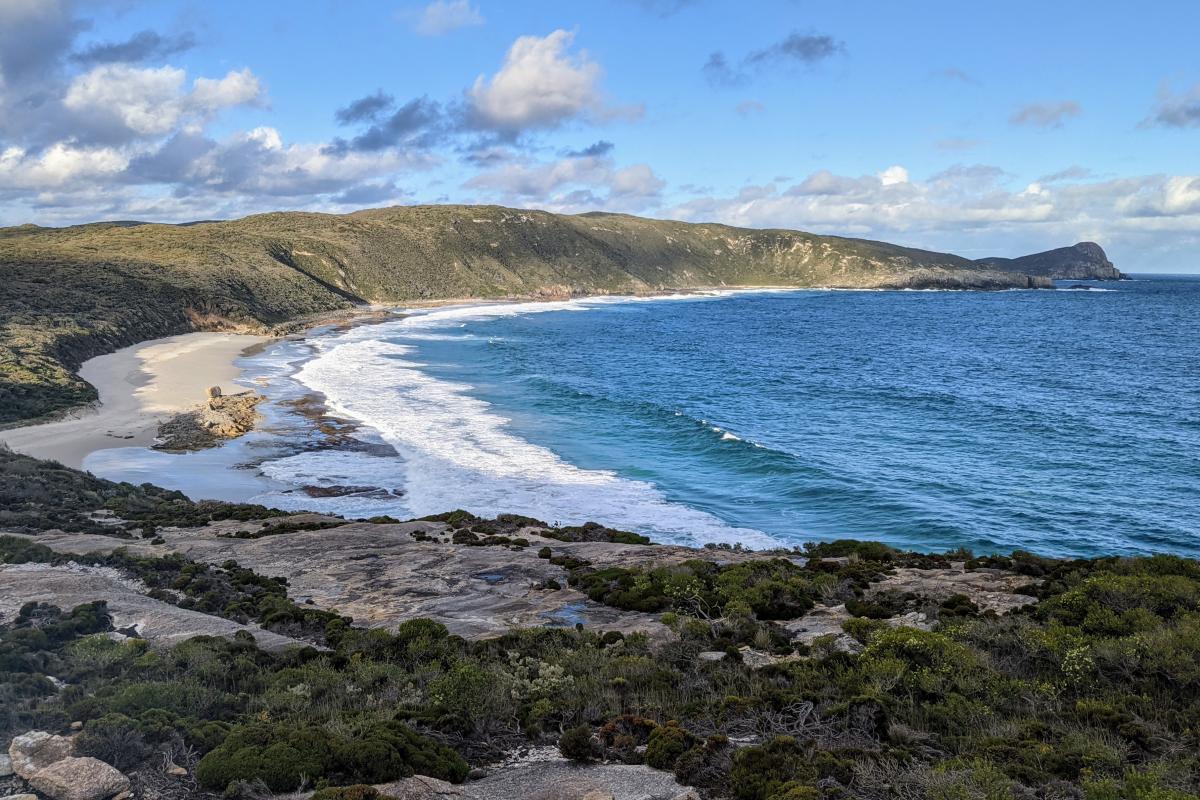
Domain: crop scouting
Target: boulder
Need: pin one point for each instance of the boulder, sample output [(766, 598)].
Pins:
[(79, 779), (34, 750), (5, 766), (20, 797), (214, 392)]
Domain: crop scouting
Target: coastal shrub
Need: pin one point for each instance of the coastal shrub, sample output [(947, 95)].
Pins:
[(359, 791), (281, 756), (594, 532), (844, 548), (576, 744), (771, 770), (706, 766), (666, 744), (15, 550), (115, 739), (958, 605)]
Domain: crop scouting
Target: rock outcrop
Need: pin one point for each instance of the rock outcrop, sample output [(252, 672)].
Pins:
[(384, 574), (32, 751), (160, 623), (221, 418), (1085, 261), (557, 779), (79, 779)]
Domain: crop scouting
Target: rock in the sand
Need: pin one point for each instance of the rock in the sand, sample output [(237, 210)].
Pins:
[(214, 391), (223, 417), (79, 779), (34, 750)]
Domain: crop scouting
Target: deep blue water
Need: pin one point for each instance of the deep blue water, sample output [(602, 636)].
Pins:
[(1062, 422)]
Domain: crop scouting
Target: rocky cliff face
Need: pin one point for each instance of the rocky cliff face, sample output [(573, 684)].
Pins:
[(1085, 261)]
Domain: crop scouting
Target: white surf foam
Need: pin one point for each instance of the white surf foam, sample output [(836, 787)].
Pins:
[(458, 452)]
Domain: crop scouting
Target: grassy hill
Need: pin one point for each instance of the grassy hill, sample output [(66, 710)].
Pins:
[(67, 294)]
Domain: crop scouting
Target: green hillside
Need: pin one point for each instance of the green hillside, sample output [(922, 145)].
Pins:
[(67, 294)]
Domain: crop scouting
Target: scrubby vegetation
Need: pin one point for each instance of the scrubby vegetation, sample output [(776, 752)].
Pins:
[(1094, 693), (39, 495)]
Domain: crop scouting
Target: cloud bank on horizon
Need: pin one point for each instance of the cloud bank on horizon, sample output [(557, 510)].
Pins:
[(853, 118)]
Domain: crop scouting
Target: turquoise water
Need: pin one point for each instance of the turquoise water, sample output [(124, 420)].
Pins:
[(1064, 422)]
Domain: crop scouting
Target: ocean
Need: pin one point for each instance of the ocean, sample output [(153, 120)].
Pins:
[(1062, 422)]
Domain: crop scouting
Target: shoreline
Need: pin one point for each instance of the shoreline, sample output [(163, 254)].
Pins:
[(139, 387)]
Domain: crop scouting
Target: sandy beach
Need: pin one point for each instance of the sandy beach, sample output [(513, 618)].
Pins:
[(139, 386)]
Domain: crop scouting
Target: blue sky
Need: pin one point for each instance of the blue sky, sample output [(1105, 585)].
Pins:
[(980, 128)]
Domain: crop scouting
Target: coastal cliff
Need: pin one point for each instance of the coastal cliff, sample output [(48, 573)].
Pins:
[(69, 294), (1085, 261)]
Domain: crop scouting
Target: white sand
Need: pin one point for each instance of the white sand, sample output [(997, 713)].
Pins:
[(139, 386)]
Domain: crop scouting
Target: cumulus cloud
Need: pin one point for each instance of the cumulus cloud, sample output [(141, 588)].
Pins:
[(541, 85), (972, 209), (1176, 110), (1046, 115), (119, 101), (93, 131), (34, 34), (141, 46), (575, 183), (806, 49), (443, 16)]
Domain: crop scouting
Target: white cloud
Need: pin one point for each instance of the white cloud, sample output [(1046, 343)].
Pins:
[(58, 166), (577, 183), (893, 175), (235, 89), (971, 209), (443, 16), (636, 181), (146, 102), (541, 85)]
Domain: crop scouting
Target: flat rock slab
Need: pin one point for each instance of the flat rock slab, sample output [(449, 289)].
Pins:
[(563, 780), (162, 624), (990, 589), (381, 576)]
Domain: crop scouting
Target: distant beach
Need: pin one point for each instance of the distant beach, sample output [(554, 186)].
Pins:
[(139, 387)]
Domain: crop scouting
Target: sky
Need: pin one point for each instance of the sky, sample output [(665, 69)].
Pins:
[(981, 128)]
